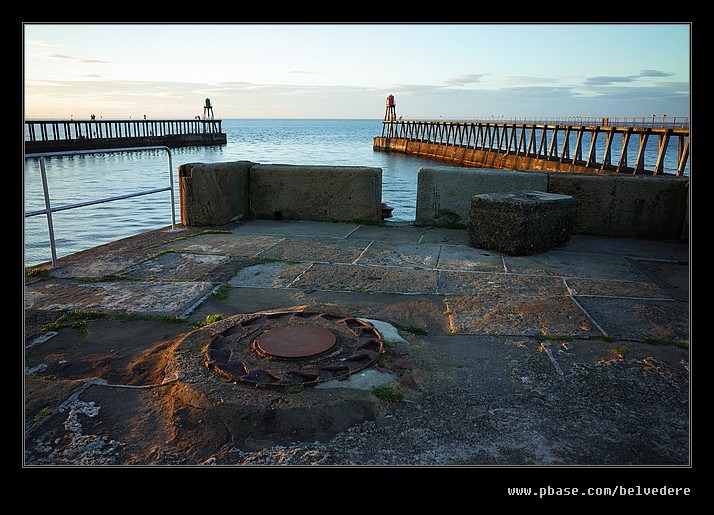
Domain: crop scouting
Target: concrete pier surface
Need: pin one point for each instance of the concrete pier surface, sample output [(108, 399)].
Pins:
[(578, 356)]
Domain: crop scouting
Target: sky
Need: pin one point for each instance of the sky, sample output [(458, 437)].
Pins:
[(347, 70)]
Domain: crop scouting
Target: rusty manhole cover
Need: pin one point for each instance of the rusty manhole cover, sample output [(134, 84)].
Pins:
[(295, 341), (293, 348)]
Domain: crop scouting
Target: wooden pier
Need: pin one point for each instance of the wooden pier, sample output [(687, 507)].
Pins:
[(90, 134), (570, 145)]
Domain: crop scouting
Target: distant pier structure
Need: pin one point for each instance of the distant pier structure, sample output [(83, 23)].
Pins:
[(637, 145), (391, 113), (207, 110), (92, 133)]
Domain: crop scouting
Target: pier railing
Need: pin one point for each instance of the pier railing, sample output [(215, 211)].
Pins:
[(46, 130), (89, 134), (48, 210), (659, 121), (578, 144)]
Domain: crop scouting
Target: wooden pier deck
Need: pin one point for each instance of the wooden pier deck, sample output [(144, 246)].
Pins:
[(90, 134)]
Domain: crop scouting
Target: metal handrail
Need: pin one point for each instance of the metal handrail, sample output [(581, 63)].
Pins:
[(49, 209)]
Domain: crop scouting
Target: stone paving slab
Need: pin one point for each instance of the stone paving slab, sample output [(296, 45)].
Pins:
[(482, 363), (469, 259), (517, 314), (322, 250), (226, 244), (112, 258), (296, 228), (571, 264), (672, 277), (367, 279), (394, 234), (422, 255), (152, 297), (643, 249), (639, 319), (179, 266), (451, 282), (614, 288), (445, 236), (268, 275)]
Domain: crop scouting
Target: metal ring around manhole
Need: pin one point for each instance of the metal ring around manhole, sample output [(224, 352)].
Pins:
[(293, 348)]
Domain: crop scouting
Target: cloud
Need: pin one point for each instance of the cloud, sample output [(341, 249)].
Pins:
[(40, 42), (654, 73), (605, 80), (74, 59), (255, 100), (470, 78)]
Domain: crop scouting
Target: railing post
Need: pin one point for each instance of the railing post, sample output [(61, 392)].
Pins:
[(48, 211), (171, 184)]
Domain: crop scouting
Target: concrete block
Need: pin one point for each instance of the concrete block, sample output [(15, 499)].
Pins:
[(444, 193), (213, 193), (521, 223), (320, 193)]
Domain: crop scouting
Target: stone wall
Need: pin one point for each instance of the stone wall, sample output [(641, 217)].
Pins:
[(296, 192), (636, 206), (220, 193), (444, 193)]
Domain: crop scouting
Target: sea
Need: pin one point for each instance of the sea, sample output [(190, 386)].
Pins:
[(90, 177)]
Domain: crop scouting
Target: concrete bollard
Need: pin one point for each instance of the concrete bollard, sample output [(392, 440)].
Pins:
[(522, 222)]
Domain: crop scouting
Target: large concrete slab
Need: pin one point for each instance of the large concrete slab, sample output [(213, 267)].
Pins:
[(152, 297), (639, 319), (456, 282), (226, 244), (296, 228), (518, 314), (581, 287), (630, 247), (389, 233), (445, 236), (322, 250), (453, 257), (268, 275), (571, 264), (423, 255), (367, 278), (183, 266)]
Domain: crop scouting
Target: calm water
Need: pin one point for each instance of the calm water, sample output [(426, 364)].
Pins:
[(74, 179)]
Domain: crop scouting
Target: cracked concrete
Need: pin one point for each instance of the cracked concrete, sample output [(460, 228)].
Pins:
[(574, 357)]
